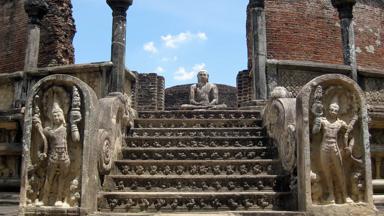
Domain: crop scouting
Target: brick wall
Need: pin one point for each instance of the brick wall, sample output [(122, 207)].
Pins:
[(150, 92), (310, 31), (13, 33), (57, 33), (369, 31), (160, 93), (244, 89)]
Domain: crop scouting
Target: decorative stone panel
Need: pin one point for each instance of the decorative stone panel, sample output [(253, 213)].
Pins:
[(334, 164)]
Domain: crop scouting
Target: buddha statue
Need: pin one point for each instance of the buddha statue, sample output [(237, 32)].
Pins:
[(203, 95)]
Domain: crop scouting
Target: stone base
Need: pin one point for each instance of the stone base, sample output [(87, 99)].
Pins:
[(202, 108), (57, 211), (257, 105), (226, 213), (354, 209)]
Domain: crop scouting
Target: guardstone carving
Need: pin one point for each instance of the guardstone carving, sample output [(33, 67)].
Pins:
[(59, 127), (332, 134), (49, 168)]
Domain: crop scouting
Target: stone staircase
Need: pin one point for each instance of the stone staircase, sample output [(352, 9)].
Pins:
[(197, 161)]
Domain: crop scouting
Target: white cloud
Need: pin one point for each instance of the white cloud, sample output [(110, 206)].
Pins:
[(159, 70), (202, 36), (182, 74), (173, 41), (150, 47), (169, 59)]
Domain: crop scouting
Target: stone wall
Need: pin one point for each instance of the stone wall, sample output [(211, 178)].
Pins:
[(57, 33), (305, 30), (177, 95)]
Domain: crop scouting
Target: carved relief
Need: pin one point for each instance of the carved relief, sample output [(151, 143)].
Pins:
[(294, 80), (336, 141), (333, 148), (115, 118), (374, 91), (55, 147), (279, 119)]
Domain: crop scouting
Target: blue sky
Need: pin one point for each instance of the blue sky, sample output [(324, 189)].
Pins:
[(174, 38)]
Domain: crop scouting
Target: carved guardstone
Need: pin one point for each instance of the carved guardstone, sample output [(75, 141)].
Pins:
[(58, 166), (203, 95), (334, 165)]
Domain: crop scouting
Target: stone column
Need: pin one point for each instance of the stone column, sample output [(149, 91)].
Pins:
[(117, 78), (345, 9), (258, 48), (36, 9)]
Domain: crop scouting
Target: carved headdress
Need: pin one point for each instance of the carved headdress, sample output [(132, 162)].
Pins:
[(57, 109)]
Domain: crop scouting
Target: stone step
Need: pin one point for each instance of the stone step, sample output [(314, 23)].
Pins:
[(205, 167), (211, 114), (199, 153), (216, 213), (378, 199), (196, 183), (171, 142), (196, 132), (192, 201), (197, 123), (378, 186)]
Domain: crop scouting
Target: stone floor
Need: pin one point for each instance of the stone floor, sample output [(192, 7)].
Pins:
[(9, 203)]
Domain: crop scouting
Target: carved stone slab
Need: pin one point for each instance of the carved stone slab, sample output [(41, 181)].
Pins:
[(334, 166), (59, 174)]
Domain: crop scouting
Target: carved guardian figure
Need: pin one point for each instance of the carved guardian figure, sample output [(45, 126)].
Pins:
[(55, 150)]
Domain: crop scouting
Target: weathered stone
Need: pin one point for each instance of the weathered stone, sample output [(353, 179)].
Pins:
[(117, 79), (338, 157), (279, 120), (345, 9), (257, 44), (36, 9), (58, 167)]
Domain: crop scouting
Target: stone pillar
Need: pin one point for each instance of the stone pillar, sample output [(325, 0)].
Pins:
[(119, 8), (257, 45), (345, 9), (36, 9)]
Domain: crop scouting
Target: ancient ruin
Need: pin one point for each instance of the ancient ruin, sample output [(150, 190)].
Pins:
[(297, 136)]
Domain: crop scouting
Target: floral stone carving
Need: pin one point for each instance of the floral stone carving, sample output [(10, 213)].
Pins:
[(333, 142)]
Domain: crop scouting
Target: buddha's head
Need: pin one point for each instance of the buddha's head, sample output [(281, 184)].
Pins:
[(202, 76)]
